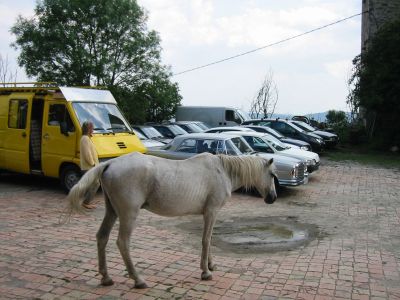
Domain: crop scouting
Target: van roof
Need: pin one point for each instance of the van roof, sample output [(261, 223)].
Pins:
[(81, 94)]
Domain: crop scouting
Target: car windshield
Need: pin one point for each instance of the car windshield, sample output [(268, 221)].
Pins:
[(274, 142), (192, 128), (202, 125), (151, 132), (176, 130), (139, 135), (305, 126), (105, 117), (241, 145), (295, 127), (275, 133)]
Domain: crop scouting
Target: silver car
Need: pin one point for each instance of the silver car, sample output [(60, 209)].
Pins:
[(290, 171), (266, 143)]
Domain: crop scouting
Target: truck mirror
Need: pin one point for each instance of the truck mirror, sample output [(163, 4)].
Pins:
[(64, 128)]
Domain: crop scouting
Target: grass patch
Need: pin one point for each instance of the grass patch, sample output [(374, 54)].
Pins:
[(365, 157)]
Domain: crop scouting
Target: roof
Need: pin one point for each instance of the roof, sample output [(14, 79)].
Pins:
[(205, 135), (81, 94), (87, 95), (246, 133)]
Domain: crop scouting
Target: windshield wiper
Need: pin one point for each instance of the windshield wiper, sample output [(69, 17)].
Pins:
[(102, 129)]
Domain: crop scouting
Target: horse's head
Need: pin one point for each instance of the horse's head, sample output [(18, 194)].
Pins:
[(267, 188)]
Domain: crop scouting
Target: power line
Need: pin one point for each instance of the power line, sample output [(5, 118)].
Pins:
[(269, 45)]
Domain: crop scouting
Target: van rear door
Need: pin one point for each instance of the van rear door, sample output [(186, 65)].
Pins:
[(16, 140)]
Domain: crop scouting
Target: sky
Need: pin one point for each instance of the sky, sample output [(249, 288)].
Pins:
[(310, 72)]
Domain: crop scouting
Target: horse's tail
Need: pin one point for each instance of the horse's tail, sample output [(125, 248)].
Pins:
[(85, 188)]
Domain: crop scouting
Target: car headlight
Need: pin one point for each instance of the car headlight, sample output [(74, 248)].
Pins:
[(311, 162), (295, 172), (304, 148), (319, 141)]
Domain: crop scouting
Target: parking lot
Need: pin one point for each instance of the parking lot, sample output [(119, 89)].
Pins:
[(346, 219)]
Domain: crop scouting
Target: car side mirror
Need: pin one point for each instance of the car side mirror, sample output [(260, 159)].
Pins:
[(64, 128)]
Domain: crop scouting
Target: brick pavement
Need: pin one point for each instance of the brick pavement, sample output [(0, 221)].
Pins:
[(355, 256)]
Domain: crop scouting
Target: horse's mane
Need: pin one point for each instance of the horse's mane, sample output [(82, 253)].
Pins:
[(248, 170)]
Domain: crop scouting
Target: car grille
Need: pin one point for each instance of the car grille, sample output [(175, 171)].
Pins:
[(121, 145), (302, 169)]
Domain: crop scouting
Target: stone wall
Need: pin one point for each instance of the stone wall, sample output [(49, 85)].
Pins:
[(379, 12)]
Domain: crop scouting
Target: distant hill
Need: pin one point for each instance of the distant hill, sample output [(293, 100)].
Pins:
[(320, 117)]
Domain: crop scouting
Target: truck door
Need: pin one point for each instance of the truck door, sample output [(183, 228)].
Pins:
[(58, 137), (232, 118), (16, 140)]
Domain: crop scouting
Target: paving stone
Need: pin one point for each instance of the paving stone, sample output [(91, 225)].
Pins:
[(355, 255)]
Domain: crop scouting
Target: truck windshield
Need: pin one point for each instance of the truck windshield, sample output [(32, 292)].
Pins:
[(105, 117), (245, 116)]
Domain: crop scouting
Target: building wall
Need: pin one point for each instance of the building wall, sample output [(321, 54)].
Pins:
[(379, 12)]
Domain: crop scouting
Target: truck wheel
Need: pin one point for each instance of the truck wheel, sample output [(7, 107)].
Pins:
[(69, 176)]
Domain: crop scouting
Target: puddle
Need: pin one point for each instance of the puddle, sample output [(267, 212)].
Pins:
[(258, 234)]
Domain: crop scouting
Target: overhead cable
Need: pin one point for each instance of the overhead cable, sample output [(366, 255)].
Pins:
[(269, 45)]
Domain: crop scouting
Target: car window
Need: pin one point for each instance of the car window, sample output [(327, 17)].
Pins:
[(165, 131), (283, 128), (139, 135), (304, 126), (241, 145), (176, 130), (263, 123), (274, 142), (151, 132), (188, 146)]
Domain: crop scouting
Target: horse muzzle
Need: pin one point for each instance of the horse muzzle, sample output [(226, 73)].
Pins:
[(270, 198)]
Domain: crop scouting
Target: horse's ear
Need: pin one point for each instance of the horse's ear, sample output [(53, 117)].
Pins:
[(268, 162)]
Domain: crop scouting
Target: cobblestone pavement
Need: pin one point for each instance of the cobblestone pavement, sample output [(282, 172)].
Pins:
[(356, 254)]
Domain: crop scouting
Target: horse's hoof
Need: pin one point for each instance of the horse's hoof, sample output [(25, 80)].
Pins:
[(206, 276), (141, 285), (107, 281), (212, 267)]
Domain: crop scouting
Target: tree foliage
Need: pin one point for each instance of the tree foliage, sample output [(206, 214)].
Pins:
[(263, 105), (376, 81), (336, 117), (104, 42)]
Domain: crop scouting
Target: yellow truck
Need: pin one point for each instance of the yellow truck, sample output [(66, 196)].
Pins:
[(40, 129)]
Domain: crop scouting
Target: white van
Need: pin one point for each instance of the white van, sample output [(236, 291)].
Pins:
[(213, 116)]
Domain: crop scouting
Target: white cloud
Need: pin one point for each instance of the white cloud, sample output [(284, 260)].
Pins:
[(310, 71), (339, 69)]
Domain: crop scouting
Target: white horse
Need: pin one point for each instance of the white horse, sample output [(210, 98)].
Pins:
[(198, 185)]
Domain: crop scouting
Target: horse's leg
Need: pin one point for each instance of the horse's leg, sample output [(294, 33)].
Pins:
[(127, 223), (209, 221), (102, 239), (211, 265)]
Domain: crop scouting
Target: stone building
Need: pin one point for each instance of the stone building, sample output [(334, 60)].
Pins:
[(377, 13)]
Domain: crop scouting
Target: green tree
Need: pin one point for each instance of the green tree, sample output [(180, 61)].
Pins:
[(336, 117), (104, 42), (376, 81)]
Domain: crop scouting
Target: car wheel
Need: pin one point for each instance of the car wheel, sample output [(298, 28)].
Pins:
[(70, 175)]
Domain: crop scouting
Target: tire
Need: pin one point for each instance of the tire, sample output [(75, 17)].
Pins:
[(69, 176)]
